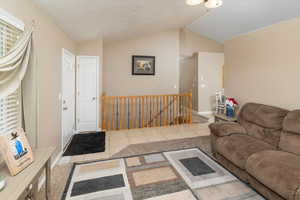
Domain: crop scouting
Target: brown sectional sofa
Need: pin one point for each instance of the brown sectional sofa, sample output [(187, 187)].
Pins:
[(263, 149)]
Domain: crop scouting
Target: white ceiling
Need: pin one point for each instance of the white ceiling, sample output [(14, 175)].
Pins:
[(123, 19), (119, 19), (237, 17)]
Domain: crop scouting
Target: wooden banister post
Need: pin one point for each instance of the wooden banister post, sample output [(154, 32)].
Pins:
[(165, 112), (190, 108), (103, 123)]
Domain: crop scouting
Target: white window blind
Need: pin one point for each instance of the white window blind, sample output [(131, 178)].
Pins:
[(10, 107)]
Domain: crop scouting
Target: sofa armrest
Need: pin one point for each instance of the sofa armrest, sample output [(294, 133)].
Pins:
[(297, 197), (226, 128)]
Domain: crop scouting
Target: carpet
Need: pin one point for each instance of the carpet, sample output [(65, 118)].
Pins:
[(187, 174), (86, 143), (201, 142)]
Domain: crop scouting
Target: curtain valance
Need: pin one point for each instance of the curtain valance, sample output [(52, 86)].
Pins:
[(14, 64)]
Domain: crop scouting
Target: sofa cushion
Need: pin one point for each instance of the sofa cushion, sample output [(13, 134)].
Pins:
[(290, 137), (278, 170), (262, 122), (263, 115), (221, 129), (237, 148)]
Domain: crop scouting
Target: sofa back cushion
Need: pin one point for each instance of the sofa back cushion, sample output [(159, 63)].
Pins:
[(290, 137), (263, 122)]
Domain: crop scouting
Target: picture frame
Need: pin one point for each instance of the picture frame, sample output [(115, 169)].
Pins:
[(143, 65), (16, 151)]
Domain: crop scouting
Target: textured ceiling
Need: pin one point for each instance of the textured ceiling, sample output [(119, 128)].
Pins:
[(119, 19), (123, 19), (237, 17)]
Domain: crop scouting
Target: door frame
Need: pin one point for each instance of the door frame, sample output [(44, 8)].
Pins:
[(64, 52), (97, 91)]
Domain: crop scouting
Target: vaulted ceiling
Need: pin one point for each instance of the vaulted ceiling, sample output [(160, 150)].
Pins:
[(237, 17), (122, 19), (119, 19)]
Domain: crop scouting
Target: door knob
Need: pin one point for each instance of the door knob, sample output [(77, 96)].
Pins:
[(94, 98), (65, 108)]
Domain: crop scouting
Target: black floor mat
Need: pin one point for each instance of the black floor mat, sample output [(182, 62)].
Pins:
[(86, 143)]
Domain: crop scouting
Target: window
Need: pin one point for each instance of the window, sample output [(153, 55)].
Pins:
[(10, 107)]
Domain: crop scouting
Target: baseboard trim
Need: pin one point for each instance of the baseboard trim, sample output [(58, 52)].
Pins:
[(78, 131), (205, 113), (195, 112), (202, 112), (43, 179)]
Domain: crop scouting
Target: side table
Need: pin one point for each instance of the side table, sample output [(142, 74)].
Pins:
[(224, 118)]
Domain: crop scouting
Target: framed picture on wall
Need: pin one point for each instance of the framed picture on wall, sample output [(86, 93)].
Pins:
[(143, 65)]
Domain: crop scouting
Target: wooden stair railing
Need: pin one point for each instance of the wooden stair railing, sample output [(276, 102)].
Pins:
[(131, 112)]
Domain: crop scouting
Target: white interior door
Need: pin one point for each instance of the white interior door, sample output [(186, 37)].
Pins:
[(68, 96), (87, 93)]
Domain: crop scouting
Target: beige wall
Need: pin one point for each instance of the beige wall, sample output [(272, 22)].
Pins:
[(264, 66), (48, 40), (190, 44), (90, 48), (117, 65)]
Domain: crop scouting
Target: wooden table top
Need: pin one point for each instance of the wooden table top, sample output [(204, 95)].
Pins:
[(16, 185)]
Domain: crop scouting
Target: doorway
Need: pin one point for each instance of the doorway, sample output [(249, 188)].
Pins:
[(210, 80), (87, 112), (189, 77), (68, 96)]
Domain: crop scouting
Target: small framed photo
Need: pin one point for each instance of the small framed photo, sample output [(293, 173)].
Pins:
[(16, 151), (143, 65)]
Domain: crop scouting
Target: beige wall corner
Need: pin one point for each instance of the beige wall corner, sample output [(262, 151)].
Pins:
[(48, 41), (118, 64), (264, 66), (191, 43), (90, 48)]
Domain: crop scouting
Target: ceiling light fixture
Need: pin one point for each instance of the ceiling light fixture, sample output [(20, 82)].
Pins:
[(194, 2), (213, 3), (207, 3)]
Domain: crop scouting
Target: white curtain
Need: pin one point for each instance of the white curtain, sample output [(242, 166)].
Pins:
[(13, 66), (29, 99)]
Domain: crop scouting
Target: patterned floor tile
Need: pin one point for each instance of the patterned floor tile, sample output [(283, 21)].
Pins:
[(153, 190), (132, 162), (228, 191), (149, 176), (183, 195), (196, 166), (90, 168), (190, 163), (154, 158), (98, 184), (112, 197)]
